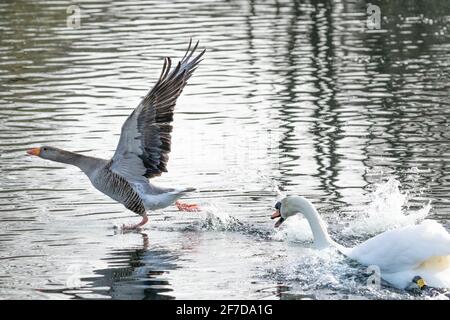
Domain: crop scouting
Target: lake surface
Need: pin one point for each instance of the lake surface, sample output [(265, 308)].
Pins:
[(291, 98)]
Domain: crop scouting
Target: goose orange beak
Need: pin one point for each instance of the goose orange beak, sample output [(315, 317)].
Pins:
[(34, 152)]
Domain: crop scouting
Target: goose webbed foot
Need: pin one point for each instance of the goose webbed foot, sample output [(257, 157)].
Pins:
[(136, 226), (187, 207)]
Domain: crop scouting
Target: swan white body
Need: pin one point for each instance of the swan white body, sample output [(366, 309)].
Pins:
[(418, 250)]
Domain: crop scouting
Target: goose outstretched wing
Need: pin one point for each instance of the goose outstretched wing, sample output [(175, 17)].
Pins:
[(144, 145)]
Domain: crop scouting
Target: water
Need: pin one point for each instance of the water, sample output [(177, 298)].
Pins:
[(290, 99)]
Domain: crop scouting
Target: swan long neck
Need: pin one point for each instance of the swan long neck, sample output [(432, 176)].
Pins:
[(318, 227)]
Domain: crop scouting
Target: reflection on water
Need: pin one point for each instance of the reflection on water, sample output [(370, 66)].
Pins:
[(292, 97), (132, 274)]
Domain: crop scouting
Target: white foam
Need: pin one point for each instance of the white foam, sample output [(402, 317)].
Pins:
[(294, 229), (386, 210), (274, 186), (218, 219)]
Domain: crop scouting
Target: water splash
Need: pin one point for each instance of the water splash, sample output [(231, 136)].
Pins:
[(294, 229), (219, 220), (274, 186), (318, 272), (387, 209)]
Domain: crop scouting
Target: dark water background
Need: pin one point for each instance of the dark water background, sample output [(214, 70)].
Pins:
[(296, 97)]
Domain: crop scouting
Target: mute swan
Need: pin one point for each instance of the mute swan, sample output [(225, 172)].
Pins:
[(417, 254), (143, 149)]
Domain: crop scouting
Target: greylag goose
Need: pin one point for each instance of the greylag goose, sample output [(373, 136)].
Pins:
[(143, 149)]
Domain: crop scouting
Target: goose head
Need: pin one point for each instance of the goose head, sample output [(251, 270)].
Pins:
[(290, 206), (46, 152), (55, 154)]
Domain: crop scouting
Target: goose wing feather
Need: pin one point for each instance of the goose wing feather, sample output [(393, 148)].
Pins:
[(145, 139)]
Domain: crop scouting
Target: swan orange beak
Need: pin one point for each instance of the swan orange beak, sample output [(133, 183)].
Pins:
[(34, 152), (275, 215)]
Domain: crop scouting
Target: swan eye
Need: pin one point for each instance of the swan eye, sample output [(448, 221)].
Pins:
[(278, 205)]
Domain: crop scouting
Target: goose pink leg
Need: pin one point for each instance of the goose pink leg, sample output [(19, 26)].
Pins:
[(136, 226), (187, 207)]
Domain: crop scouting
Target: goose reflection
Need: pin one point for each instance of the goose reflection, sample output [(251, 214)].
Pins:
[(138, 274), (132, 274)]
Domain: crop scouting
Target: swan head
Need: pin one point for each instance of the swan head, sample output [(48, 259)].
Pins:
[(290, 206)]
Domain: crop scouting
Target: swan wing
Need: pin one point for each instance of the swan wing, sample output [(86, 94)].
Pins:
[(405, 248)]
